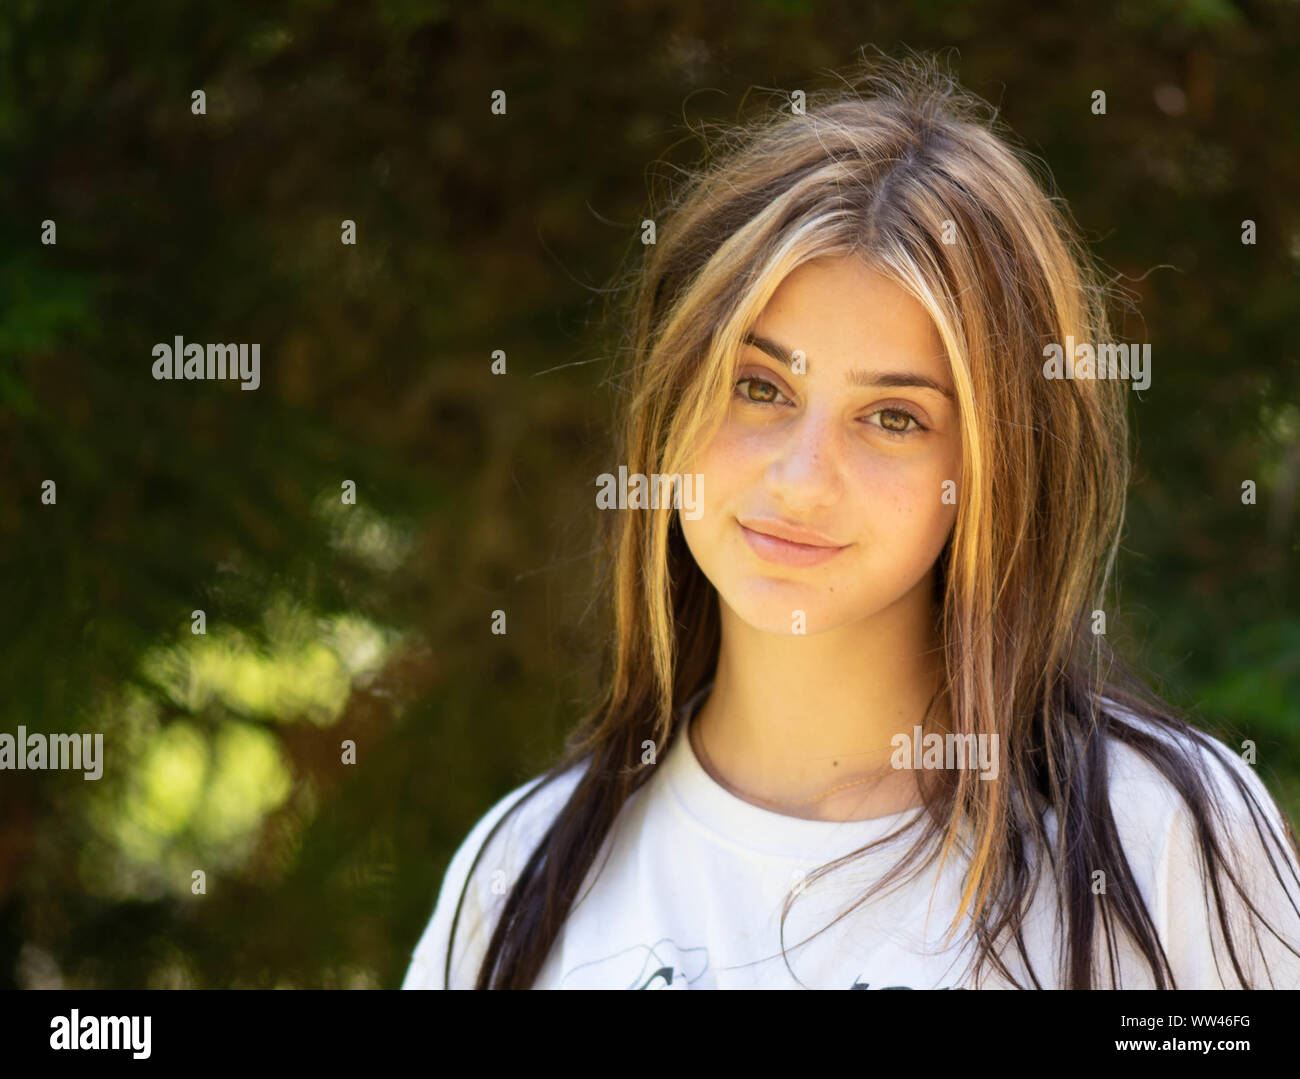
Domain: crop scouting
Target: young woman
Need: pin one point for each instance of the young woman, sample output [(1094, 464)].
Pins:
[(862, 728)]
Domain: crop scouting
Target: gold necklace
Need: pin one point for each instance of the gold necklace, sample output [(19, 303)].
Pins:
[(698, 742)]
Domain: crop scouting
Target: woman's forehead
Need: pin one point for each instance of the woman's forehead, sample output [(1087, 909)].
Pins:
[(844, 316)]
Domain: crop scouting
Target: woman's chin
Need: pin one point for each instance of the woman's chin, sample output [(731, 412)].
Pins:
[(787, 619)]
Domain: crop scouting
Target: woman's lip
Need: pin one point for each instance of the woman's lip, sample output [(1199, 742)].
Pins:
[(784, 552)]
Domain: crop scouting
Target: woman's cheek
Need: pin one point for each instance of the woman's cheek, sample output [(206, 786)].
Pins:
[(899, 516), (722, 468), (706, 534)]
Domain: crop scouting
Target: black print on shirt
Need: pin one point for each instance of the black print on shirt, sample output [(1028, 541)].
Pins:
[(867, 985), (662, 965)]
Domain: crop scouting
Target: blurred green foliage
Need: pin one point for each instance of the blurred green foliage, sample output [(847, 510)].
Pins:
[(477, 232)]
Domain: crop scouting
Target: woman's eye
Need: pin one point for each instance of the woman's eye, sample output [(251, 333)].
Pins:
[(760, 391), (898, 421)]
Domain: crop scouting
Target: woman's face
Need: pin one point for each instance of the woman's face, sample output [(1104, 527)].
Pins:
[(837, 457)]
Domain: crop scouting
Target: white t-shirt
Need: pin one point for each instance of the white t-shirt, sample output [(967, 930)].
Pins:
[(691, 893)]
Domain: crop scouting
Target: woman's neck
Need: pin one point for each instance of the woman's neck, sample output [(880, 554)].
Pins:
[(807, 725)]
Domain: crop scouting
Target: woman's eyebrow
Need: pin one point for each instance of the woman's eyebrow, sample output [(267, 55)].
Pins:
[(865, 379)]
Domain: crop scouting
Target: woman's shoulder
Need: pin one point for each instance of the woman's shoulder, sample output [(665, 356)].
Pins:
[(1147, 757), (525, 814), (1164, 838), (481, 871)]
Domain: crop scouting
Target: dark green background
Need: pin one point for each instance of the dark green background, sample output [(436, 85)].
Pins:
[(479, 232)]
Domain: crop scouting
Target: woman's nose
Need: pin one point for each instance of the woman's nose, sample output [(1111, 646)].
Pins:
[(805, 472)]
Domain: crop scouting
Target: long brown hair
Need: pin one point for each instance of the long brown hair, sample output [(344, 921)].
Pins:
[(902, 167)]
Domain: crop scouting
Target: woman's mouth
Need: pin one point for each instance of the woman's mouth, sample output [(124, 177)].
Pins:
[(787, 552)]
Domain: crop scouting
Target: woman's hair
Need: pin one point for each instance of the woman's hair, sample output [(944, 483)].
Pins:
[(909, 172)]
